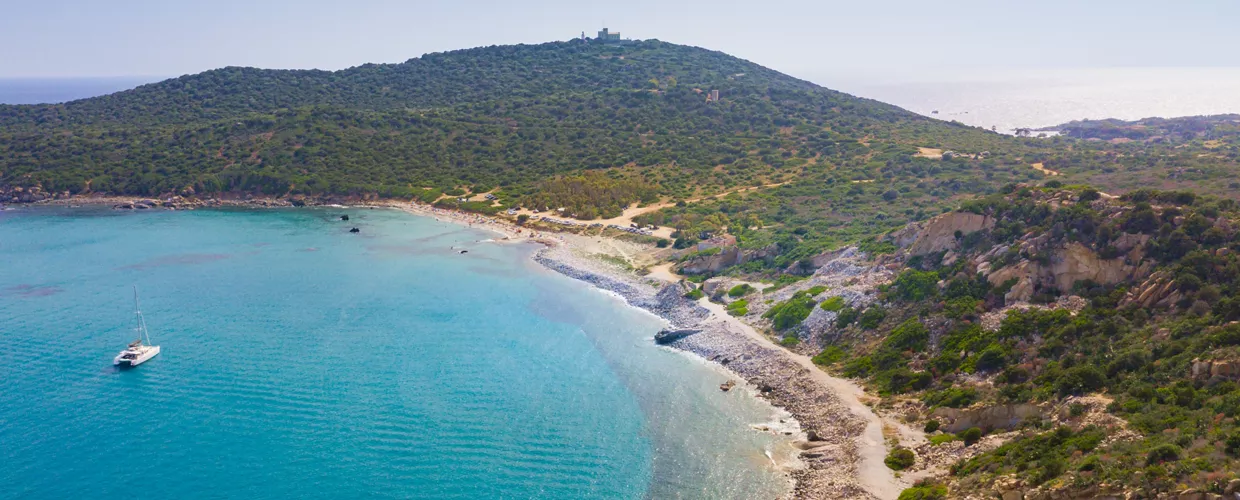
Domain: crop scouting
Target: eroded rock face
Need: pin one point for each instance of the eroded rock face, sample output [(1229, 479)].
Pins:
[(1066, 265), (989, 417), (939, 233), (1077, 262), (727, 257)]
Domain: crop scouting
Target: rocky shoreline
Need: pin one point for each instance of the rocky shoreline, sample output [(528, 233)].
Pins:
[(829, 448)]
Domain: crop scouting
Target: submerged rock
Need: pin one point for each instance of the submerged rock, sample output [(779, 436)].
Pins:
[(355, 230), (669, 335), (344, 217)]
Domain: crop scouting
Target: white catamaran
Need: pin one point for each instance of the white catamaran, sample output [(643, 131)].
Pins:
[(139, 350)]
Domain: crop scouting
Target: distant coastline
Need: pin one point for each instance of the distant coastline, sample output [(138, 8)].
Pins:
[(58, 90), (1026, 98)]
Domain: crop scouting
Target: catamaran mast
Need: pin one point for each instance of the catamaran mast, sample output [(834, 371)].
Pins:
[(143, 334)]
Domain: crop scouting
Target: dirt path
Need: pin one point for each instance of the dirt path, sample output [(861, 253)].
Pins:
[(664, 272), (1045, 171), (872, 473), (626, 217)]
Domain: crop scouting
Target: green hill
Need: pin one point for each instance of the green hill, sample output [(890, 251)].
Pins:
[(498, 73), (518, 120)]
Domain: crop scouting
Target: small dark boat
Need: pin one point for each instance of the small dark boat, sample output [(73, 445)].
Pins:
[(355, 230)]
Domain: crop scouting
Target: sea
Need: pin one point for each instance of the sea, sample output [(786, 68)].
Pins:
[(56, 90), (1004, 99), (414, 359)]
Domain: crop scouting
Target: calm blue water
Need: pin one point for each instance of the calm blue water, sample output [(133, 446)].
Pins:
[(303, 361), (53, 90)]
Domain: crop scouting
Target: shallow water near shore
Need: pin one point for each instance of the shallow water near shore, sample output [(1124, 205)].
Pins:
[(303, 361)]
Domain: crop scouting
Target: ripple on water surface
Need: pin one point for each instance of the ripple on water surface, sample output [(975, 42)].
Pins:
[(381, 365)]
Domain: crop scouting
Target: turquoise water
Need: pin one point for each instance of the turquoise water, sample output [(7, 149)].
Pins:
[(303, 361)]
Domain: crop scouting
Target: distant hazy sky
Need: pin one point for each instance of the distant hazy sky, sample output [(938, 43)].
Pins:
[(807, 38)]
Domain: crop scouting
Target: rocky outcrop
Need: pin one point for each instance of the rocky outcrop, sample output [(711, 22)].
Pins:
[(989, 417), (940, 233), (1215, 369), (727, 257), (19, 194), (1158, 290), (669, 335), (717, 285), (1061, 266)]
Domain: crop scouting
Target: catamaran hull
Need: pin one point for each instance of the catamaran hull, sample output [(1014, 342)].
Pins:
[(141, 358)]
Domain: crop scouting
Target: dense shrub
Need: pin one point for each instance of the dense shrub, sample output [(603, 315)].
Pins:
[(970, 436), (791, 312), (909, 335), (900, 459), (924, 492), (1163, 453), (738, 307), (871, 317), (830, 355), (914, 285), (833, 304), (740, 290), (846, 317), (952, 397)]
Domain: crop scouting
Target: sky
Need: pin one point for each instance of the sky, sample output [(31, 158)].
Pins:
[(812, 39)]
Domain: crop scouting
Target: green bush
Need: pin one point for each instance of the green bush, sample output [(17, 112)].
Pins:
[(846, 317), (952, 397), (900, 459), (913, 285), (789, 341), (992, 358), (695, 294), (1163, 453), (970, 436), (830, 355), (911, 335), (1231, 445), (1080, 379), (791, 312), (931, 426), (871, 318), (924, 492), (939, 439), (738, 307), (740, 290), (833, 304)]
